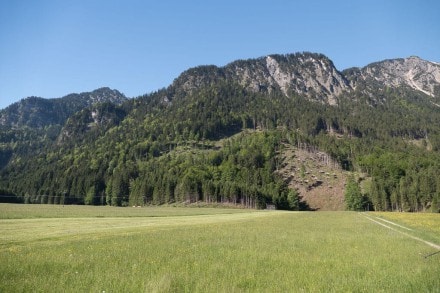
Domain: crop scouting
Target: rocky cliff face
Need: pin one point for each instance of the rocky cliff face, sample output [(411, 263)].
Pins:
[(305, 74), (412, 72), (315, 77)]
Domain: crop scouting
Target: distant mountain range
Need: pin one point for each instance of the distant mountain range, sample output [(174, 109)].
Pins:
[(40, 112), (305, 74), (175, 145)]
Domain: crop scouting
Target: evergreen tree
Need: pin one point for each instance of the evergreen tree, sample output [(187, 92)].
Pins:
[(353, 196)]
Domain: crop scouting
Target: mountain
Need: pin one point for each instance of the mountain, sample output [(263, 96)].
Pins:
[(305, 74), (315, 76), (412, 72), (284, 130), (37, 112), (95, 118)]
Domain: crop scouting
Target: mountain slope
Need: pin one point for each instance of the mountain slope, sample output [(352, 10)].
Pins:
[(305, 74), (37, 112), (216, 135), (87, 122), (412, 72), (318, 178)]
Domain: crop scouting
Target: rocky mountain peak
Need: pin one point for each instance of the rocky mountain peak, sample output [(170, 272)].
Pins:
[(100, 95), (414, 72), (306, 74), (312, 75)]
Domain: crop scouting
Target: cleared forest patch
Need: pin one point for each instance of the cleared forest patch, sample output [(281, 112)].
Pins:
[(318, 178)]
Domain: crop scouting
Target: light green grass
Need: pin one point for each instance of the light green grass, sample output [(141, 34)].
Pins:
[(419, 221), (247, 252), (422, 225), (24, 211)]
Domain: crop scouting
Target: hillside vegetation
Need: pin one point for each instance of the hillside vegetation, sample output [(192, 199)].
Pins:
[(234, 135)]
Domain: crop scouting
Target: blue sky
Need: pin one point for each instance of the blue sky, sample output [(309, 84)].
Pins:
[(51, 48)]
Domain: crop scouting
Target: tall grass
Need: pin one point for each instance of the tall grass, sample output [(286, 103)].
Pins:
[(425, 221), (256, 252)]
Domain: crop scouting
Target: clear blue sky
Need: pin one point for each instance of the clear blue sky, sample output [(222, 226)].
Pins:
[(51, 48)]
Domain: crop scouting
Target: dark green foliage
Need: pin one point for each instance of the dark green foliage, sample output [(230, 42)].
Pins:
[(88, 123), (240, 173), (403, 181), (354, 200), (8, 197)]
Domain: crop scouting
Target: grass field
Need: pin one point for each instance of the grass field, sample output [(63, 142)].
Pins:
[(90, 249), (20, 211)]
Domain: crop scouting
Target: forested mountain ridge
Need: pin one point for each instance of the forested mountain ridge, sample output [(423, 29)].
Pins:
[(216, 134), (315, 76), (87, 122), (36, 112), (305, 74)]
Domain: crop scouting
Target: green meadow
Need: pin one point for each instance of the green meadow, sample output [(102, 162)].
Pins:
[(174, 249)]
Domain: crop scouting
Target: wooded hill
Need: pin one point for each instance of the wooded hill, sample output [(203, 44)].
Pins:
[(217, 135)]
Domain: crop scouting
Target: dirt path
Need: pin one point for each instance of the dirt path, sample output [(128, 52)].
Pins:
[(380, 222)]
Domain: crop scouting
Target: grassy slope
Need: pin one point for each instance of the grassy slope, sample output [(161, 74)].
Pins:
[(258, 251)]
